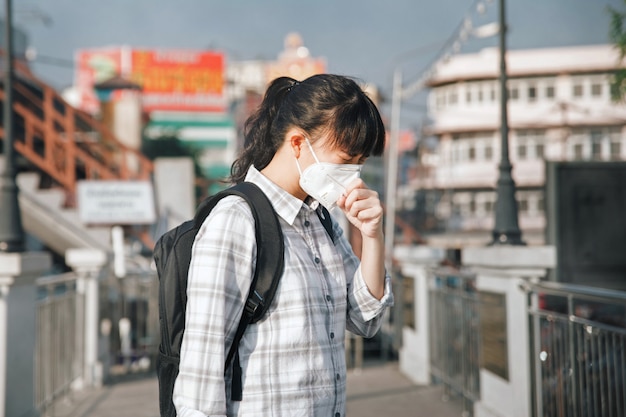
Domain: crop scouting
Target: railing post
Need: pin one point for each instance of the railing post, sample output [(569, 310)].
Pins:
[(505, 374), (18, 272), (415, 261), (88, 265)]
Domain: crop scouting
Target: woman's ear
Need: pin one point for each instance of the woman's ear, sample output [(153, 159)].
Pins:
[(296, 139)]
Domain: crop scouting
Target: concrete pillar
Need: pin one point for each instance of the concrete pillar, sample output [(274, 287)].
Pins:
[(88, 265), (174, 190), (415, 261), (500, 271), (18, 297)]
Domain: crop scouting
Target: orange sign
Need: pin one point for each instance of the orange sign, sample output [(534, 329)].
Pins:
[(179, 79), (176, 79), (180, 71)]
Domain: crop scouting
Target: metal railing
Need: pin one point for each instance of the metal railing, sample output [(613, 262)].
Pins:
[(59, 341), (578, 350), (134, 297), (455, 334)]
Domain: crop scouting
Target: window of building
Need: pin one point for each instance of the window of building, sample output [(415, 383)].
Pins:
[(489, 206), (488, 152), (472, 206), (577, 90), (596, 89), (492, 94), (480, 95), (616, 150), (531, 143), (523, 205), (513, 93), (539, 150), (596, 149), (596, 144), (578, 151), (532, 93), (472, 152), (468, 96), (550, 92), (453, 97)]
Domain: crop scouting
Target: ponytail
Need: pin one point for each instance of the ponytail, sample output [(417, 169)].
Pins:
[(259, 143)]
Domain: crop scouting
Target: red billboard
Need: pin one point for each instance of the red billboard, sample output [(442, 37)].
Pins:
[(171, 79), (179, 80)]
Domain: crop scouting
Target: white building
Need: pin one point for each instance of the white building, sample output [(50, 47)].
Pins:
[(560, 108)]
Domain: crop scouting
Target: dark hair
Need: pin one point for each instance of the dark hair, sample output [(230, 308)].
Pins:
[(325, 103)]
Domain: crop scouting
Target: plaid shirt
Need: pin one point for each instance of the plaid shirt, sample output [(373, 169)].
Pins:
[(293, 360)]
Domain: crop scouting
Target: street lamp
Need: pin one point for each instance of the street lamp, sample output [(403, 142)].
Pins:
[(11, 232), (392, 169), (506, 229)]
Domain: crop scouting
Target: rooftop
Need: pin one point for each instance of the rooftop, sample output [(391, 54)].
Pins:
[(527, 62)]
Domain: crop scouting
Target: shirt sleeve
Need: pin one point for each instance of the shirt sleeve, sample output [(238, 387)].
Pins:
[(221, 269), (365, 312)]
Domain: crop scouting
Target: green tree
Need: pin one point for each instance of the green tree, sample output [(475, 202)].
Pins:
[(617, 36)]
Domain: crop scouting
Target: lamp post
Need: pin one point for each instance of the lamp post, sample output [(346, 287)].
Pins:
[(392, 169), (506, 229), (11, 232)]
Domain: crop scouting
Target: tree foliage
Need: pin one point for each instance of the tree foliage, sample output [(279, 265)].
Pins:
[(617, 36)]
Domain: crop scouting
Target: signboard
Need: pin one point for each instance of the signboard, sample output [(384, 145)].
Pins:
[(116, 202), (586, 201), (171, 79), (95, 66), (179, 80)]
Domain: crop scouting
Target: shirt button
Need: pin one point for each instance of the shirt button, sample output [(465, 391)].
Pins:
[(328, 298), (317, 260), (337, 415), (332, 335), (307, 223), (338, 378)]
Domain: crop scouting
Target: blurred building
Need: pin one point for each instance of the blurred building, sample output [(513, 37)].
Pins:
[(560, 109), (195, 96)]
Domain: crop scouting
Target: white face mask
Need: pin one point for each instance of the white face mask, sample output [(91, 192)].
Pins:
[(324, 181)]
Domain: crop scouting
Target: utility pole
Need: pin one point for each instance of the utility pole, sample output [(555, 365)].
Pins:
[(11, 232), (392, 169), (506, 229)]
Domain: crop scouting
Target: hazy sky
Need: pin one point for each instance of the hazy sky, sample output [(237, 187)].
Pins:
[(362, 38)]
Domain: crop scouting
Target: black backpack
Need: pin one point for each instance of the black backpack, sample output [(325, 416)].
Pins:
[(172, 256)]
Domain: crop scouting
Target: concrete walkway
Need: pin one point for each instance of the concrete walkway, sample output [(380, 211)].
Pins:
[(375, 391)]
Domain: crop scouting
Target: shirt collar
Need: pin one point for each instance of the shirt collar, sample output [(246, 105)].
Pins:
[(286, 205)]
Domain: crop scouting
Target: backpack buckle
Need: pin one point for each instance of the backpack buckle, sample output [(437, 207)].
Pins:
[(253, 303)]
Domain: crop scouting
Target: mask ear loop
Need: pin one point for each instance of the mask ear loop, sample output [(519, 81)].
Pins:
[(312, 151)]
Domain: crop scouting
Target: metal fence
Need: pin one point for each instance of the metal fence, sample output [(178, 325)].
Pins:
[(134, 299), (60, 334), (455, 334), (578, 350), (60, 338)]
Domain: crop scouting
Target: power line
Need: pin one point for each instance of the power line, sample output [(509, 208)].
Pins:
[(452, 46)]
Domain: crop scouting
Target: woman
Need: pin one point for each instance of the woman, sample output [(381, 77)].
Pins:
[(307, 141)]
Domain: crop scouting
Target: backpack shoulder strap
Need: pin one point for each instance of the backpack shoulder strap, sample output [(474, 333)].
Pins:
[(327, 222), (269, 264)]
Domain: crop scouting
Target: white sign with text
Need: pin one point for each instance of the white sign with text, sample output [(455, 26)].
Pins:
[(116, 202)]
